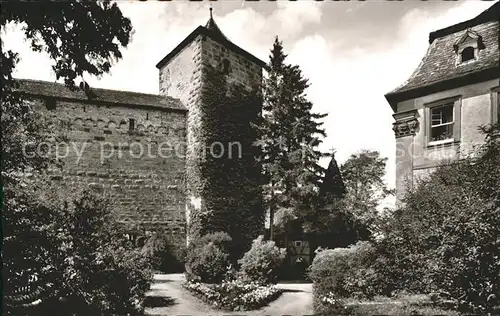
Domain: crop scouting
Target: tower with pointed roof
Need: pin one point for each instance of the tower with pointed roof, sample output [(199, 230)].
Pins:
[(454, 90), (181, 75)]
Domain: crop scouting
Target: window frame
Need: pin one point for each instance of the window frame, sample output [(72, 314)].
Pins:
[(474, 56), (456, 103), (468, 39)]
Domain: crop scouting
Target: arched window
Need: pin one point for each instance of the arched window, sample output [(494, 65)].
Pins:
[(467, 54)]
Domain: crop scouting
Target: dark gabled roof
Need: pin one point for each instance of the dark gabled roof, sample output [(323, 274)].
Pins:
[(60, 91), (211, 30), (490, 14), (438, 69)]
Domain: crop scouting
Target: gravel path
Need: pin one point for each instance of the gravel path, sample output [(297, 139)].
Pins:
[(169, 298)]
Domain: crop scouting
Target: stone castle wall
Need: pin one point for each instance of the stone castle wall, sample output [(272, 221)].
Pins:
[(148, 188)]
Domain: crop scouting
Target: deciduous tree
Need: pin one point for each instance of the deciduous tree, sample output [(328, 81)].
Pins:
[(81, 37), (363, 174)]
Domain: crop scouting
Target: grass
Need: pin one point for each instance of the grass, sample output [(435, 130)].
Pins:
[(403, 305), (398, 306), (393, 309)]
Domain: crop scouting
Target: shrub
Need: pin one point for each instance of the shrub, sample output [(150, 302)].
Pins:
[(262, 262), (166, 257), (446, 238), (220, 239), (77, 252), (207, 259), (342, 273)]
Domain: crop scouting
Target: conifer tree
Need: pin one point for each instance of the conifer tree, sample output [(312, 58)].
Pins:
[(332, 187), (291, 135)]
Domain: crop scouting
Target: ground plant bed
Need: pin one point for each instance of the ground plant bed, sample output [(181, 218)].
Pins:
[(401, 306), (235, 295)]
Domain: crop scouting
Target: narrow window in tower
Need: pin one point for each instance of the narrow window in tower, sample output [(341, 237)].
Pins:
[(226, 67), (50, 104), (131, 125)]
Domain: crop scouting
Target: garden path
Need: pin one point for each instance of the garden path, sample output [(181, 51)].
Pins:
[(168, 297)]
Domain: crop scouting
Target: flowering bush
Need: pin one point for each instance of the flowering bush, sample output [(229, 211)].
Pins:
[(261, 263), (235, 295), (207, 258)]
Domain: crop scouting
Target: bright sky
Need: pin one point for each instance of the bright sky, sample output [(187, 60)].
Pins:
[(353, 53)]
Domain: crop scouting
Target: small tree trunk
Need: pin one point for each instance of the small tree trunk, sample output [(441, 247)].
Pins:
[(286, 234), (271, 214)]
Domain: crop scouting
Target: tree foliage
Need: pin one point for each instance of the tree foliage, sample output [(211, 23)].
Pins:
[(81, 36), (69, 245), (332, 186), (446, 237), (291, 134), (58, 241), (363, 174)]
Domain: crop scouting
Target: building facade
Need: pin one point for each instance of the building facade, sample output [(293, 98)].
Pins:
[(136, 146), (453, 91)]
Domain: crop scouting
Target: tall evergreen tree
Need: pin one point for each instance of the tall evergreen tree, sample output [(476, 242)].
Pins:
[(291, 135)]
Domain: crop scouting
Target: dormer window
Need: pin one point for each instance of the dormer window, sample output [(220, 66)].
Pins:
[(468, 46), (467, 54)]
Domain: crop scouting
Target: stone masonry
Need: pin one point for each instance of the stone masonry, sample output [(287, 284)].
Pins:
[(207, 46), (100, 149), (101, 132)]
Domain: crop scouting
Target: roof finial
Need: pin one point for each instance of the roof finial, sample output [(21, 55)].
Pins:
[(211, 11)]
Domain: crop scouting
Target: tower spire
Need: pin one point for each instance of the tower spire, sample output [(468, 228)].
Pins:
[(212, 26)]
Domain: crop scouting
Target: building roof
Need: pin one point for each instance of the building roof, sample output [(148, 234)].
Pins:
[(118, 97), (213, 31), (439, 63), (212, 26)]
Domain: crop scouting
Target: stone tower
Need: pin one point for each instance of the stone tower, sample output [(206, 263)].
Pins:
[(181, 75)]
